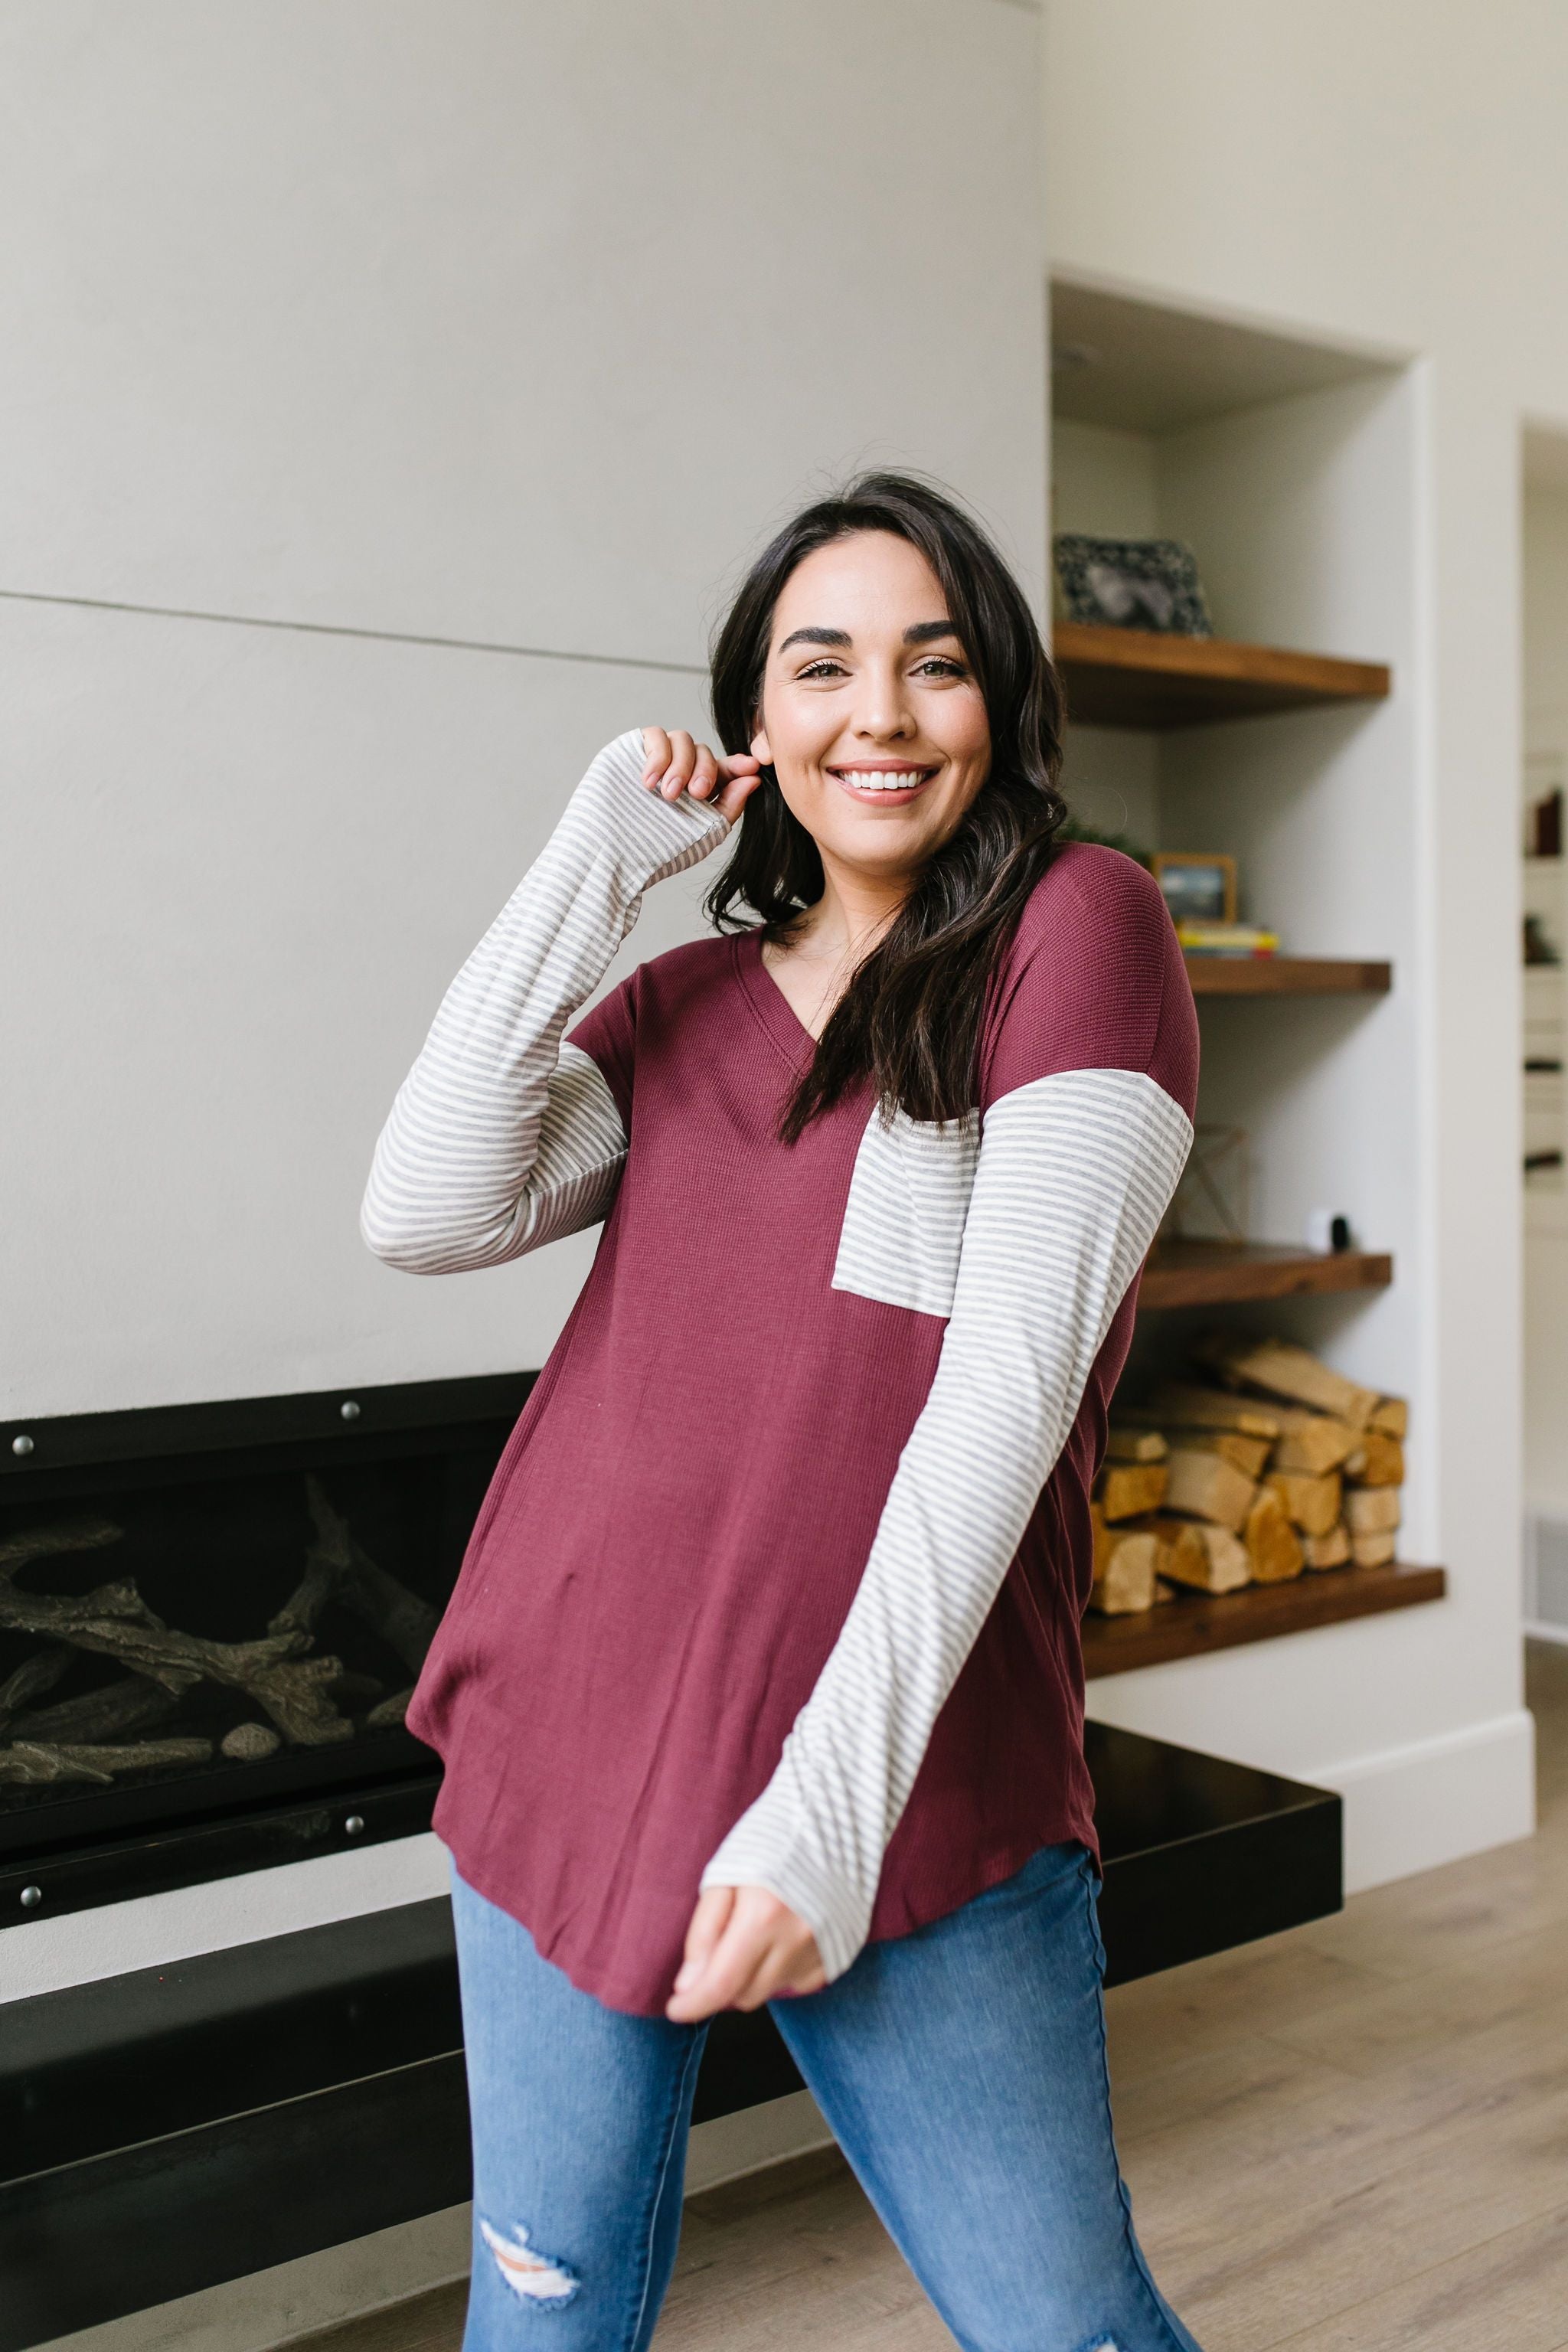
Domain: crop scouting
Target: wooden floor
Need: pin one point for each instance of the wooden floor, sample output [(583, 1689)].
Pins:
[(1352, 2138)]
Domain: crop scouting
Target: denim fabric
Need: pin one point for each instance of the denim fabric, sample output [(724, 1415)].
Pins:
[(961, 2069)]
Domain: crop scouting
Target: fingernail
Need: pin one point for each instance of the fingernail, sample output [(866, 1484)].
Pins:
[(683, 1976)]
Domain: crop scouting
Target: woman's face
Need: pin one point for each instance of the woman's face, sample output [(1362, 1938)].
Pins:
[(872, 720)]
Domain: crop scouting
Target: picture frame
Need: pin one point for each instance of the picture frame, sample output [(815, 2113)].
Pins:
[(1199, 887), (1131, 584)]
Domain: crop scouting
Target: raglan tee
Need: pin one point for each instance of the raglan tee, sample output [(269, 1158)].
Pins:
[(780, 1577)]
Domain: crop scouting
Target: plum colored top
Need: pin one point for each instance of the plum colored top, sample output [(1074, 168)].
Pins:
[(779, 1579)]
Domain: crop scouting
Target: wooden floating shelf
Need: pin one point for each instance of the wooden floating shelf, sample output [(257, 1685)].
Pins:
[(1132, 677), (1217, 1273), (1200, 1621), (1278, 975)]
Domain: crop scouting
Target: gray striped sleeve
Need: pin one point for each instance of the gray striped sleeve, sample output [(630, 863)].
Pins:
[(501, 1136), (1074, 1173)]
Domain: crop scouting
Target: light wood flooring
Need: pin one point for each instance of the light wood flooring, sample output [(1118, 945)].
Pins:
[(1349, 2138)]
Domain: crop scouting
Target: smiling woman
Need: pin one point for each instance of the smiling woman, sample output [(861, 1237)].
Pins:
[(879, 633), (761, 1680)]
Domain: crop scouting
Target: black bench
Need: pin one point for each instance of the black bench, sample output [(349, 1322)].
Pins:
[(170, 2129)]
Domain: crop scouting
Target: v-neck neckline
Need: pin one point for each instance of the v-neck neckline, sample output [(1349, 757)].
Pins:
[(768, 1001)]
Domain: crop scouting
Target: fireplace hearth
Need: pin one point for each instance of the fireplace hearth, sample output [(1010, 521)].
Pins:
[(211, 1620)]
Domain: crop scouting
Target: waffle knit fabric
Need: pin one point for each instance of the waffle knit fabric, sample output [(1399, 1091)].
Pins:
[(779, 1580)]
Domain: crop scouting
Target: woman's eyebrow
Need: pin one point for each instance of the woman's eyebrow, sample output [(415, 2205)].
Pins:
[(920, 632), (814, 638)]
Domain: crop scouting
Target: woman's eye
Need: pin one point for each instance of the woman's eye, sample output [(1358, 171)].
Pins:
[(939, 666), (826, 668)]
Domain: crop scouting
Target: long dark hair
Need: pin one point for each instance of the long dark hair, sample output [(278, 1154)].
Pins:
[(910, 1017)]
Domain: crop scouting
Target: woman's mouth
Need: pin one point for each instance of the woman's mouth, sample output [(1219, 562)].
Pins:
[(889, 783)]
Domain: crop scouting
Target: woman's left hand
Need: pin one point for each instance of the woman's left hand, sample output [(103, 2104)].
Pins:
[(743, 1947)]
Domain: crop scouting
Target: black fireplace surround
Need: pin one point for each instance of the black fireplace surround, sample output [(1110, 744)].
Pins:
[(211, 1617)]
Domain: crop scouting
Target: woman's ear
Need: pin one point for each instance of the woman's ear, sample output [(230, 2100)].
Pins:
[(760, 745)]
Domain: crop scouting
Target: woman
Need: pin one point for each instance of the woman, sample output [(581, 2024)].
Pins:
[(761, 1680)]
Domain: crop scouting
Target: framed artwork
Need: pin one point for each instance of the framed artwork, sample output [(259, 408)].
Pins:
[(1131, 583), (1198, 888)]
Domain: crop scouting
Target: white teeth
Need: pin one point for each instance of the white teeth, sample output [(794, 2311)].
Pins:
[(876, 780)]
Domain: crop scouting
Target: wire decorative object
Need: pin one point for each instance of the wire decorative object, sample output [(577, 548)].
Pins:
[(1213, 1202)]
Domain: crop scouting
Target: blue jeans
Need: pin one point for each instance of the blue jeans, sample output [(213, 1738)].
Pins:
[(961, 2069)]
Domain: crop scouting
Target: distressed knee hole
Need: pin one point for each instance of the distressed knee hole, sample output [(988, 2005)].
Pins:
[(533, 2277), (1103, 2344)]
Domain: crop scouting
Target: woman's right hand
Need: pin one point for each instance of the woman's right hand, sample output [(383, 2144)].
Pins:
[(675, 763)]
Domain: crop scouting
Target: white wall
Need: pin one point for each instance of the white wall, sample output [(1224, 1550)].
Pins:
[(1415, 198), (471, 347), (1545, 553), (1105, 482)]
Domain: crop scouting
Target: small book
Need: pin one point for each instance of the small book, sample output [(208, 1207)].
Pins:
[(1227, 939)]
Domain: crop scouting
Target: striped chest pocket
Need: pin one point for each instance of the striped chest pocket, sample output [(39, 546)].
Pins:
[(903, 1221)]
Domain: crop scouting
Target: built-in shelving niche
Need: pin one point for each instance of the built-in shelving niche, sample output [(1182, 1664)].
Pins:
[(1288, 467)]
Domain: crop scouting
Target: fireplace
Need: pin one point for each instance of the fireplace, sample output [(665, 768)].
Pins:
[(211, 1617)]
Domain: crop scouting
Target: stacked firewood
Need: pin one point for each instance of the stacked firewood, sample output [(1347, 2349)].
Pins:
[(1264, 1465)]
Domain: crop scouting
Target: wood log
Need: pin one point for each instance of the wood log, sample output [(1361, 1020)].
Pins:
[(1164, 1591), (1379, 1461), (31, 1680), (1390, 1418), (1314, 1442), (1182, 1405), (1374, 1550), (90, 1621), (114, 1621), (134, 1704), (340, 1568), (1206, 1486), (318, 1587), (1371, 1510), (1205, 1557), (1249, 1455), (46, 1543), (1123, 1444), (1129, 1490), (389, 1712), (33, 1763), (1273, 1546), (1310, 1503), (1107, 1537), (1282, 1370), (1332, 1550), (1127, 1581)]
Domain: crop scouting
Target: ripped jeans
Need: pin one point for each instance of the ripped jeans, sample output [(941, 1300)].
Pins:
[(961, 2069)]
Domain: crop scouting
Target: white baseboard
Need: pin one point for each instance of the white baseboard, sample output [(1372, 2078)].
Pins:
[(1539, 1631), (272, 2308), (1416, 1808)]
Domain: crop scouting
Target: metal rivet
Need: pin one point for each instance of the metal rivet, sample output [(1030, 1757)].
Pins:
[(21, 1446), (348, 1410), (31, 1897), (354, 1825)]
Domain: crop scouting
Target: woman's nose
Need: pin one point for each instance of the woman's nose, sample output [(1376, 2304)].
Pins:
[(884, 715)]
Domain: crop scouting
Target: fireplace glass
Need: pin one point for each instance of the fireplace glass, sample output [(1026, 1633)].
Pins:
[(210, 1611)]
